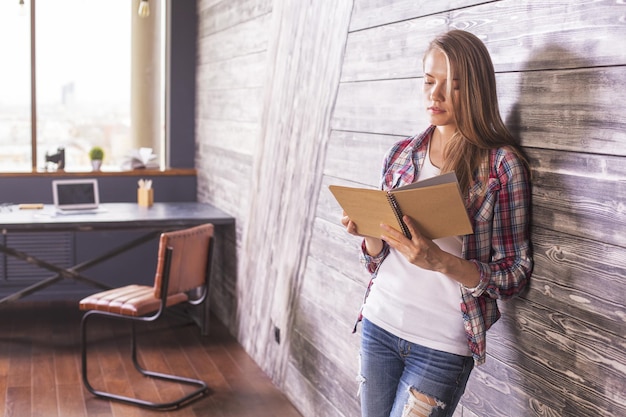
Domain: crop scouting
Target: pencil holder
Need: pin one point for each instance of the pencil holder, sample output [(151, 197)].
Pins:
[(145, 197)]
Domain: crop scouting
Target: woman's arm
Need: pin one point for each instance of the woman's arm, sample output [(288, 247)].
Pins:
[(425, 253), (373, 250), (507, 266)]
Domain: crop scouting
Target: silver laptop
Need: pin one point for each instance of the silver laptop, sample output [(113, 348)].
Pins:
[(76, 196)]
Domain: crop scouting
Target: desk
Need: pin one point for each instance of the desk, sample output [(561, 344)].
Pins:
[(111, 216)]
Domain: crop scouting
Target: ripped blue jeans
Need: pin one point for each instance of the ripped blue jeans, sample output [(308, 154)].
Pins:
[(401, 379)]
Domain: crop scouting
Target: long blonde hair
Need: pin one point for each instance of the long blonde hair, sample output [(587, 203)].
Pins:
[(476, 112)]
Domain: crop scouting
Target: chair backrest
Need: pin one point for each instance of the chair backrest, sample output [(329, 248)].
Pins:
[(189, 261)]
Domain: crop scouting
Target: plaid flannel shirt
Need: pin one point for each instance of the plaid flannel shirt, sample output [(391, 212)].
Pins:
[(500, 247)]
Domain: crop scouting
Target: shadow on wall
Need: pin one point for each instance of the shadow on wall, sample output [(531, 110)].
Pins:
[(223, 285), (548, 114), (566, 115)]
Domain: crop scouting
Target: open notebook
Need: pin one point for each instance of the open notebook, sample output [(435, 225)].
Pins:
[(76, 196), (435, 204)]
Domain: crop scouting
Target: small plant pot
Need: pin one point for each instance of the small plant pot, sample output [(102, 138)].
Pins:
[(96, 164)]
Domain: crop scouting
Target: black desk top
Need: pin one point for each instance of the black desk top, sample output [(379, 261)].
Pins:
[(114, 216)]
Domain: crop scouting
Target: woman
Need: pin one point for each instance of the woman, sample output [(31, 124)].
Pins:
[(430, 303)]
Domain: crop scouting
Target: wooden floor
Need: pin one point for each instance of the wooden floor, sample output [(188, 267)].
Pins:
[(40, 367)]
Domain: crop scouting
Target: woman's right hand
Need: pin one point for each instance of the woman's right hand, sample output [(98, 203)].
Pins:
[(349, 225), (373, 245)]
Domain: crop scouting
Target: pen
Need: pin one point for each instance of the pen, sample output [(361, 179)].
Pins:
[(31, 206)]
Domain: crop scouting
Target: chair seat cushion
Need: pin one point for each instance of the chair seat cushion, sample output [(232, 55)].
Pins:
[(131, 300)]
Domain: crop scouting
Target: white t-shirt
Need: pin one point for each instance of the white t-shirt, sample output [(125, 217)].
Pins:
[(416, 304)]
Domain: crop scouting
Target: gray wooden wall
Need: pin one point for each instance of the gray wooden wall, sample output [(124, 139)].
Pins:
[(295, 95)]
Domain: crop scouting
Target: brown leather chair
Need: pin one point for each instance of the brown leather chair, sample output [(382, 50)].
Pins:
[(183, 267)]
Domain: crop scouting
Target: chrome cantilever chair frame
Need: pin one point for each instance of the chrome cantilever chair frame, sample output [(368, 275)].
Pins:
[(202, 388)]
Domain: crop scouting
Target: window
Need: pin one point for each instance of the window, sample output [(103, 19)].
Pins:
[(99, 81), (15, 123)]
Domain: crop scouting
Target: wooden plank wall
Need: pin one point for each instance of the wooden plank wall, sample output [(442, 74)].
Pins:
[(231, 75), (294, 96)]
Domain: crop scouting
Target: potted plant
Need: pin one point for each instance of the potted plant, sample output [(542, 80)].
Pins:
[(96, 154)]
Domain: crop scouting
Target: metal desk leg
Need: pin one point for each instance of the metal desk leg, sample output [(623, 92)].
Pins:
[(68, 273)]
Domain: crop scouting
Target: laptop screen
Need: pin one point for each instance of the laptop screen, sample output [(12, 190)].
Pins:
[(75, 194)]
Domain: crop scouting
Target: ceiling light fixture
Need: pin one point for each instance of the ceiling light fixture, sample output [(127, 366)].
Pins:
[(144, 8)]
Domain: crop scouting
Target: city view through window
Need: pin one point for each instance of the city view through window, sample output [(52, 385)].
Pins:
[(83, 83), (15, 122)]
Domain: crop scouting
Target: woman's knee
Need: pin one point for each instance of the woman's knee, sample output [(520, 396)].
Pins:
[(420, 405)]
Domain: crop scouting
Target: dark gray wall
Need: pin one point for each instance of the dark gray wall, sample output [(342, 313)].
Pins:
[(182, 77), (38, 188)]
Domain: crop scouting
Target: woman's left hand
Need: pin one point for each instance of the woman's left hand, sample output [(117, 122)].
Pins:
[(418, 250)]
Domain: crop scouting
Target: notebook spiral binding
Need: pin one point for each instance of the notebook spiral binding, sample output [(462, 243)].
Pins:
[(398, 214)]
